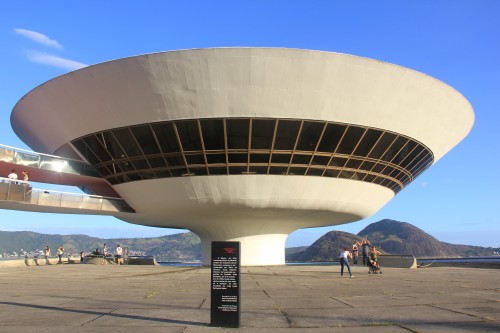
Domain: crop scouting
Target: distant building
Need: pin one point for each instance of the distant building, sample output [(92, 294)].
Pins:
[(247, 144)]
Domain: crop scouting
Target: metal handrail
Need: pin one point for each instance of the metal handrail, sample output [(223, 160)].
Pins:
[(45, 161), (21, 191)]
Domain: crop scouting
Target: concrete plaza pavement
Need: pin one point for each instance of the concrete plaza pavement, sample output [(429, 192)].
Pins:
[(109, 298)]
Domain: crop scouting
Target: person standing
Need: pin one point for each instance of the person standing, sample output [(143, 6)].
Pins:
[(104, 254), (60, 253), (46, 254), (344, 261), (13, 176), (365, 247), (355, 253), (118, 254)]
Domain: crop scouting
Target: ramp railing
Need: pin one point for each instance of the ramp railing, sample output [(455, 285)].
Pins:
[(22, 192)]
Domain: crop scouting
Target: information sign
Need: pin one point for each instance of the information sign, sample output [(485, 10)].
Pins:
[(225, 295)]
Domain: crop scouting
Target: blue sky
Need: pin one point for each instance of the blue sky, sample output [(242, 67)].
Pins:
[(457, 42)]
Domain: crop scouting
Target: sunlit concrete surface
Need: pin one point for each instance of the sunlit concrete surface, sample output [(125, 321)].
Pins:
[(94, 298)]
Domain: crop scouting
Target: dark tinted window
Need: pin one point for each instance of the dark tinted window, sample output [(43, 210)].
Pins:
[(350, 140), (237, 133), (262, 133), (309, 135), (331, 137), (167, 138), (213, 134), (189, 135), (286, 134), (367, 143), (128, 143), (146, 139)]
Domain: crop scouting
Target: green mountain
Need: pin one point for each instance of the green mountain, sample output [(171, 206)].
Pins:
[(177, 247), (391, 237)]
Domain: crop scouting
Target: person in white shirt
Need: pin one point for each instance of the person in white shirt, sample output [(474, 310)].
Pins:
[(344, 261), (118, 255), (13, 176)]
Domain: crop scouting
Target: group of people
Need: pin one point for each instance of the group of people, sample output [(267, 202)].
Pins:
[(14, 178), (367, 252), (104, 253), (60, 254)]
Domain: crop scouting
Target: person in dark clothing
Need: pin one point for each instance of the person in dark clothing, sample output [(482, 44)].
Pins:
[(365, 247)]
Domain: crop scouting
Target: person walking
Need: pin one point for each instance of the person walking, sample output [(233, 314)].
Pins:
[(344, 261), (60, 253), (46, 254), (104, 254), (118, 254)]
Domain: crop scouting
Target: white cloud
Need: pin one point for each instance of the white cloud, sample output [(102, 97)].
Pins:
[(424, 184), (39, 38), (56, 61)]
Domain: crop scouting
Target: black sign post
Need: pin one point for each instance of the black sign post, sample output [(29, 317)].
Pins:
[(225, 295)]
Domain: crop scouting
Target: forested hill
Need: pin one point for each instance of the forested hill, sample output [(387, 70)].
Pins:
[(391, 237), (177, 247)]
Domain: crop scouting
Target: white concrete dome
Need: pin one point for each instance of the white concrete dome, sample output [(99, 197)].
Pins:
[(343, 134)]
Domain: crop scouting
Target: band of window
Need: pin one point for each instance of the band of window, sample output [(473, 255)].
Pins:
[(226, 146)]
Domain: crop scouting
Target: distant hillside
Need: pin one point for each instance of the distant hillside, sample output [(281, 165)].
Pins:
[(391, 237), (177, 247)]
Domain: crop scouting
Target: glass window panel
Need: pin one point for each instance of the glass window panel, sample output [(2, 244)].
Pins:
[(181, 172), (394, 148), (353, 163), (346, 174), (175, 161), (112, 145), (309, 135), (367, 143), (262, 133), (97, 147), (146, 140), (286, 134), (112, 180), (367, 165), (237, 170), (134, 176), (195, 159), (321, 160), (358, 176), (297, 171), (378, 168), (414, 154), (213, 134), (350, 140), (237, 133), (278, 170), (157, 162), (259, 158), (165, 134), (103, 171), (198, 171), (163, 173), (189, 135), (314, 172), (331, 173), (369, 178), (128, 143), (217, 170), (387, 170), (237, 158), (141, 164), (259, 170), (301, 159), (404, 154), (384, 142), (125, 166), (86, 152), (281, 158), (338, 162), (331, 137), (147, 175), (216, 158)]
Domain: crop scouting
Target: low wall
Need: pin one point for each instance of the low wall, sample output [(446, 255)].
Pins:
[(36, 262), (397, 261)]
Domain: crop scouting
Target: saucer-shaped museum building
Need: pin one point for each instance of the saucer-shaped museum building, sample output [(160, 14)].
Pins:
[(247, 144)]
